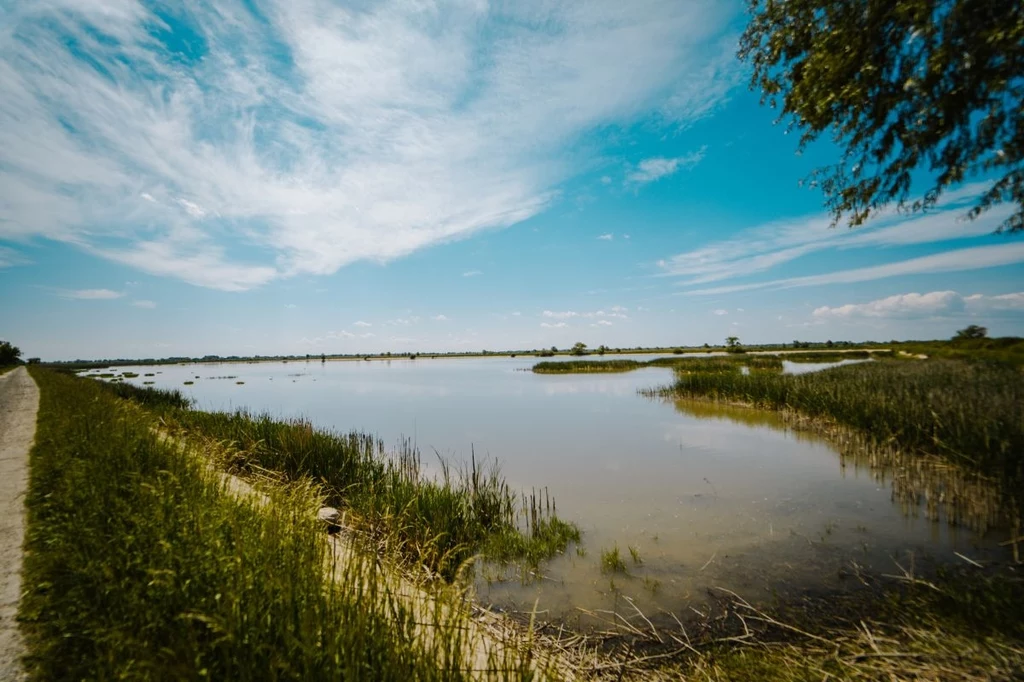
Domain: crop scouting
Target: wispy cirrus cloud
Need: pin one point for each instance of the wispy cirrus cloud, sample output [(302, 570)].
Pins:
[(10, 257), (932, 304), (766, 247), (554, 325), (472, 273), (653, 169), (89, 294), (228, 147), (143, 303), (974, 258), (616, 311)]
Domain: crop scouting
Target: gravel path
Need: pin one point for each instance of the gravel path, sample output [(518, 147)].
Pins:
[(19, 401)]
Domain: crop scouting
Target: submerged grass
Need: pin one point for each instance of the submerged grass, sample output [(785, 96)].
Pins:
[(139, 566), (437, 522)]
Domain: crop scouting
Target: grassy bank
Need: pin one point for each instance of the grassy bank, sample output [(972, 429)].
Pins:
[(436, 522), (724, 363), (139, 566), (971, 414)]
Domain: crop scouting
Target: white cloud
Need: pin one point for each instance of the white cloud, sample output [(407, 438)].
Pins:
[(315, 134), (653, 169), (606, 180), (144, 304), (472, 273), (555, 325), (403, 321), (602, 323), (9, 257), (290, 306), (768, 246), (440, 318), (720, 312), (933, 304), (89, 294), (516, 314), (360, 323), (606, 237), (614, 311), (974, 258)]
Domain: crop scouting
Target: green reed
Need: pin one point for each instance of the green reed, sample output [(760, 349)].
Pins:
[(139, 566), (972, 414), (437, 521)]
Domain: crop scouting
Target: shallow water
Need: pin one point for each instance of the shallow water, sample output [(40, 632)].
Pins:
[(708, 495)]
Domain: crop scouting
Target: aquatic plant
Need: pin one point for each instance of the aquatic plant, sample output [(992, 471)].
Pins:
[(437, 522), (611, 561), (141, 566), (972, 414)]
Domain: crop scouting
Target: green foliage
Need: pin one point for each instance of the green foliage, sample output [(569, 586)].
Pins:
[(611, 561), (436, 523), (9, 353), (579, 348), (971, 331), (902, 85), (140, 567), (586, 366), (972, 414)]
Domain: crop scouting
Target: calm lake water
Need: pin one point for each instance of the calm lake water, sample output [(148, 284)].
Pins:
[(706, 495)]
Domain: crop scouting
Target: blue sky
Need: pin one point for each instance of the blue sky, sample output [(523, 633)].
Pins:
[(305, 176)]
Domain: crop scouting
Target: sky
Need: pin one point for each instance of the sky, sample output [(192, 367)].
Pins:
[(241, 177)]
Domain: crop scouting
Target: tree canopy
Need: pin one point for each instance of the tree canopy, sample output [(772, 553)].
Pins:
[(972, 331), (9, 353), (903, 86)]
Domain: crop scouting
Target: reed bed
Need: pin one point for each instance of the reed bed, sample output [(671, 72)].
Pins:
[(835, 356), (587, 366), (438, 522), (140, 566), (970, 414), (729, 364)]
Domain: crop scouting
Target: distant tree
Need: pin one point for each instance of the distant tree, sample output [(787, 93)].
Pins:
[(9, 353), (829, 343), (602, 349), (732, 341), (34, 361), (707, 345), (971, 332), (323, 357), (902, 85), (579, 348), (554, 349)]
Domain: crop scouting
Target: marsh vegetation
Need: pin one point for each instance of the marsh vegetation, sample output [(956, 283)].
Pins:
[(134, 541)]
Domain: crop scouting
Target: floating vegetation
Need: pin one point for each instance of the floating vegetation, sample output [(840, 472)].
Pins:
[(239, 383), (189, 383), (129, 375)]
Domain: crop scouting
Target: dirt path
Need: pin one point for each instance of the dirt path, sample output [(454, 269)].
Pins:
[(19, 402)]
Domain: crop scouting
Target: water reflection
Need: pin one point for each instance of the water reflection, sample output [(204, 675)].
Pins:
[(705, 494)]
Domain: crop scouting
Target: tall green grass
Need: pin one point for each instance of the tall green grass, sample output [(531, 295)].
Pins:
[(139, 566), (972, 414), (586, 366), (435, 521)]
